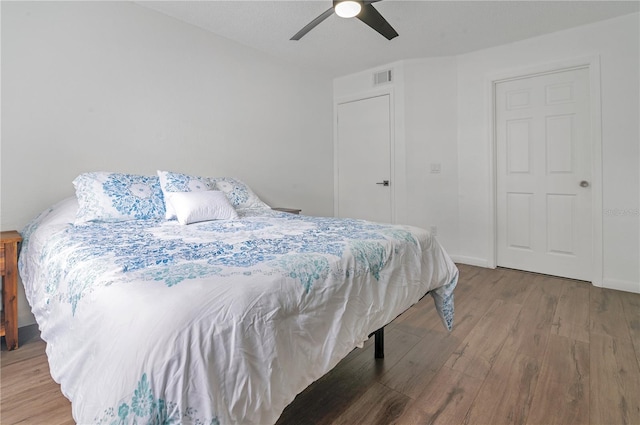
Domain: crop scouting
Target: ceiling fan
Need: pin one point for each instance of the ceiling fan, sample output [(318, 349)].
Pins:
[(361, 9)]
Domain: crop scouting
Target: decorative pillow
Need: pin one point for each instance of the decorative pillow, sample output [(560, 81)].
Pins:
[(178, 182), (238, 193), (104, 196), (192, 207)]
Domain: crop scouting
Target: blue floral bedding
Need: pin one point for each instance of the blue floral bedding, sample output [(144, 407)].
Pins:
[(220, 322)]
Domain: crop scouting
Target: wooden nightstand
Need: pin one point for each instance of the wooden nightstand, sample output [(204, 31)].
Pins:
[(9, 271), (287, 210)]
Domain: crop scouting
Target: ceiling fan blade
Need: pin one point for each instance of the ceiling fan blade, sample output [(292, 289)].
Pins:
[(311, 25), (370, 16)]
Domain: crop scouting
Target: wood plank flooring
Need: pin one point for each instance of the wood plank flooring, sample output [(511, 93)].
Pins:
[(526, 349)]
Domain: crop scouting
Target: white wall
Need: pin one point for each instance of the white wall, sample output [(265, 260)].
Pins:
[(115, 86), (431, 138), (616, 42)]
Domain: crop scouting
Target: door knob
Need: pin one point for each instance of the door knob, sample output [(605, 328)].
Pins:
[(584, 183), (384, 183)]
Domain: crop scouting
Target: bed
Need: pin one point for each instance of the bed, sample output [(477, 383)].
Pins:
[(219, 321)]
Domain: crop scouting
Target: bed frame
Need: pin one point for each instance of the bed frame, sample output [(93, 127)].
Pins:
[(379, 343)]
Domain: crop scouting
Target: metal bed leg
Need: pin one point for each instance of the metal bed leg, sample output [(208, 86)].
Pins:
[(379, 343)]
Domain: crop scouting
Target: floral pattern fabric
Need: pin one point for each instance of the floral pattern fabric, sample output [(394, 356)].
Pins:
[(220, 321), (109, 197), (180, 182), (145, 408), (240, 195)]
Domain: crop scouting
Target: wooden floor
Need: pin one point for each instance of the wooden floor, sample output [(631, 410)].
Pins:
[(526, 349)]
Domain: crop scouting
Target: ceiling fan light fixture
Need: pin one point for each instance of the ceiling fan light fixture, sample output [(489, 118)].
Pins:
[(347, 8), (362, 9)]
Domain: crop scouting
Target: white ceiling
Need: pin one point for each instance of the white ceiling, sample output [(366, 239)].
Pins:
[(427, 28)]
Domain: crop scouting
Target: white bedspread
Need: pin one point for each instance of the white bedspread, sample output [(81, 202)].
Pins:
[(220, 322)]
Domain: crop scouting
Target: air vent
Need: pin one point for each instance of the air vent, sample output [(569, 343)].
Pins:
[(382, 77)]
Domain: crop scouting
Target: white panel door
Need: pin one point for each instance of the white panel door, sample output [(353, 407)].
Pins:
[(364, 159), (543, 150)]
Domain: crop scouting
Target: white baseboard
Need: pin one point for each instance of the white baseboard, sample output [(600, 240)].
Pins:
[(471, 261), (25, 318), (621, 285), (617, 284)]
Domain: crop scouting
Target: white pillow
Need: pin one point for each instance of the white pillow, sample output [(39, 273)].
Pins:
[(180, 182), (192, 207)]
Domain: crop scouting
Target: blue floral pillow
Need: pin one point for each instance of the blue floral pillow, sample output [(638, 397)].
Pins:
[(178, 182), (238, 193), (104, 196)]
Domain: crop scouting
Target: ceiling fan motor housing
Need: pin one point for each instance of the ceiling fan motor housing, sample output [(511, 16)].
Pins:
[(367, 14)]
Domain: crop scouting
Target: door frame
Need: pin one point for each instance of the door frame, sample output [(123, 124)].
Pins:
[(592, 64), (397, 168)]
